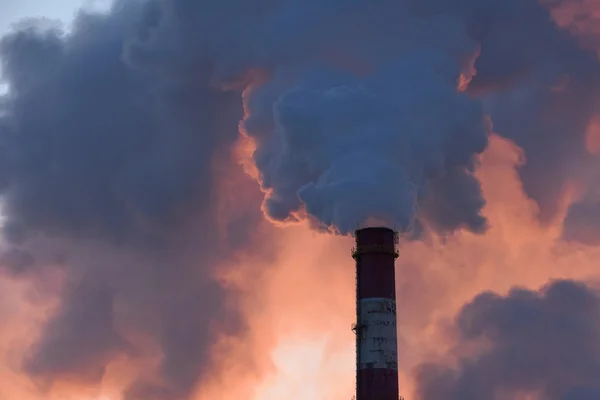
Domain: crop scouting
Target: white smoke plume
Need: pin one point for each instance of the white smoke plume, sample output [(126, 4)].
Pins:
[(354, 107)]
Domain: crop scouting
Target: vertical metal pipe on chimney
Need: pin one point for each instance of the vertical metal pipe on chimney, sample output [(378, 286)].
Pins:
[(376, 335)]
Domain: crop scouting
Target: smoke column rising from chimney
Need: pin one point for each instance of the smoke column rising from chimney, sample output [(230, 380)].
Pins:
[(347, 124), (356, 111)]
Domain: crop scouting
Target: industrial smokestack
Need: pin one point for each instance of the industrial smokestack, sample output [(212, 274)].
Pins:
[(376, 336)]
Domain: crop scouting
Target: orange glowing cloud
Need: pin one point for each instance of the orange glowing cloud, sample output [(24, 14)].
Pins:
[(293, 288), (299, 307), (593, 136), (297, 300)]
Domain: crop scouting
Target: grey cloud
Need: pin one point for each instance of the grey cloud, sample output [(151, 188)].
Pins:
[(582, 223), (539, 84), (81, 339), (109, 133), (95, 150), (542, 343), (339, 145)]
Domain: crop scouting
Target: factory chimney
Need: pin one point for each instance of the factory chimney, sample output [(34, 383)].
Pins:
[(376, 337)]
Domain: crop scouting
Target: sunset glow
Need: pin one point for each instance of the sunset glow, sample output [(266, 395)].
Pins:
[(180, 181), (301, 329)]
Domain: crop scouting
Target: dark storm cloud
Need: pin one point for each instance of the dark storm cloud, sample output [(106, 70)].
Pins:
[(542, 343), (94, 147), (94, 150), (539, 84)]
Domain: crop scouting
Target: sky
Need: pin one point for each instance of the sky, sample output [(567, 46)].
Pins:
[(13, 11), (180, 182), (62, 10)]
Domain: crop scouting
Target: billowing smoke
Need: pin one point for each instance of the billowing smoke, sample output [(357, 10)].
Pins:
[(345, 149), (349, 124), (116, 137), (537, 343), (334, 110), (539, 83), (107, 179)]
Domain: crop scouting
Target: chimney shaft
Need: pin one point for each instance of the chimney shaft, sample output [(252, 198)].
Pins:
[(376, 335)]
